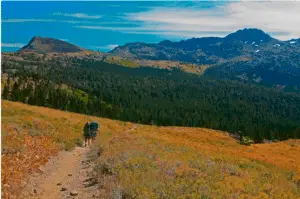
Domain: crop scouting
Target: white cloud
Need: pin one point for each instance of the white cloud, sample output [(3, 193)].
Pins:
[(280, 19), (26, 20), (112, 28), (160, 30), (112, 46), (106, 47), (180, 34), (12, 45), (64, 39), (77, 15)]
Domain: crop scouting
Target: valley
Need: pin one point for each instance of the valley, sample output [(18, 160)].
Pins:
[(150, 100)]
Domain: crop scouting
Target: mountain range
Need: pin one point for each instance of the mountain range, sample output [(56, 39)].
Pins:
[(248, 55), (210, 50)]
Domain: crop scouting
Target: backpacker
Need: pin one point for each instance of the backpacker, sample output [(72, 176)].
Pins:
[(93, 128)]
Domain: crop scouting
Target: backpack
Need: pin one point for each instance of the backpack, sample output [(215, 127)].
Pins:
[(93, 128)]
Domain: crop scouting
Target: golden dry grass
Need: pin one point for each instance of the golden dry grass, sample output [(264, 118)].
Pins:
[(180, 162), (150, 161), (30, 135), (162, 64), (121, 61)]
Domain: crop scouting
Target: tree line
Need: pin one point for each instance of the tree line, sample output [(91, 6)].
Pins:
[(160, 97)]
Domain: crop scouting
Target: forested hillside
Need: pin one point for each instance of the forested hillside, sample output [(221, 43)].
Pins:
[(154, 96)]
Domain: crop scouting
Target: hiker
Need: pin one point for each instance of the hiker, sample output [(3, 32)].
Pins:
[(90, 133), (86, 134)]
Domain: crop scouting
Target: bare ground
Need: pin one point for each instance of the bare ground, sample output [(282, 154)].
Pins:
[(63, 176), (67, 175)]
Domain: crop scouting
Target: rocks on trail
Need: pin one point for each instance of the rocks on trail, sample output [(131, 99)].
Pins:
[(74, 193)]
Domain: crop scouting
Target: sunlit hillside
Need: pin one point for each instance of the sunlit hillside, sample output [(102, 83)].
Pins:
[(140, 161), (30, 135)]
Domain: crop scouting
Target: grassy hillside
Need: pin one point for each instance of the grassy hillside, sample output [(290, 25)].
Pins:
[(140, 161), (30, 135)]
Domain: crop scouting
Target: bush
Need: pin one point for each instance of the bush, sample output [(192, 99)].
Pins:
[(246, 140), (68, 145), (79, 142)]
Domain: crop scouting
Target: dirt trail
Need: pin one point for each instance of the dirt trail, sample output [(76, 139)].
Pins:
[(67, 170)]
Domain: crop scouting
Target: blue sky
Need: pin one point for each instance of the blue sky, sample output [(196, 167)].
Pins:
[(104, 25)]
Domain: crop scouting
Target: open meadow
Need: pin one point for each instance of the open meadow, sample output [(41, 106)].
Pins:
[(142, 161)]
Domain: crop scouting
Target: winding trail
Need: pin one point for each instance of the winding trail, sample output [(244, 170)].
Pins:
[(67, 170), (66, 176)]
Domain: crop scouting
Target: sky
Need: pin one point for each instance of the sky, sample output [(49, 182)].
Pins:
[(105, 25)]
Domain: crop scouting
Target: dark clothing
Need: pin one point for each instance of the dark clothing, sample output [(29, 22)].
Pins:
[(93, 134), (86, 131), (91, 130)]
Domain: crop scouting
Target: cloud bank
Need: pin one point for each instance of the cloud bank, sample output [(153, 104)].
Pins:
[(280, 19)]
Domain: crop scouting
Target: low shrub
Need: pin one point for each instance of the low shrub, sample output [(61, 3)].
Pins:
[(246, 140)]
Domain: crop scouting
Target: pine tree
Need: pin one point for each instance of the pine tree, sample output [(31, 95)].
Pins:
[(5, 93), (15, 92)]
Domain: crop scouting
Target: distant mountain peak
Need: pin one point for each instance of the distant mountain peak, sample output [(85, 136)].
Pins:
[(249, 34), (165, 42), (50, 45)]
